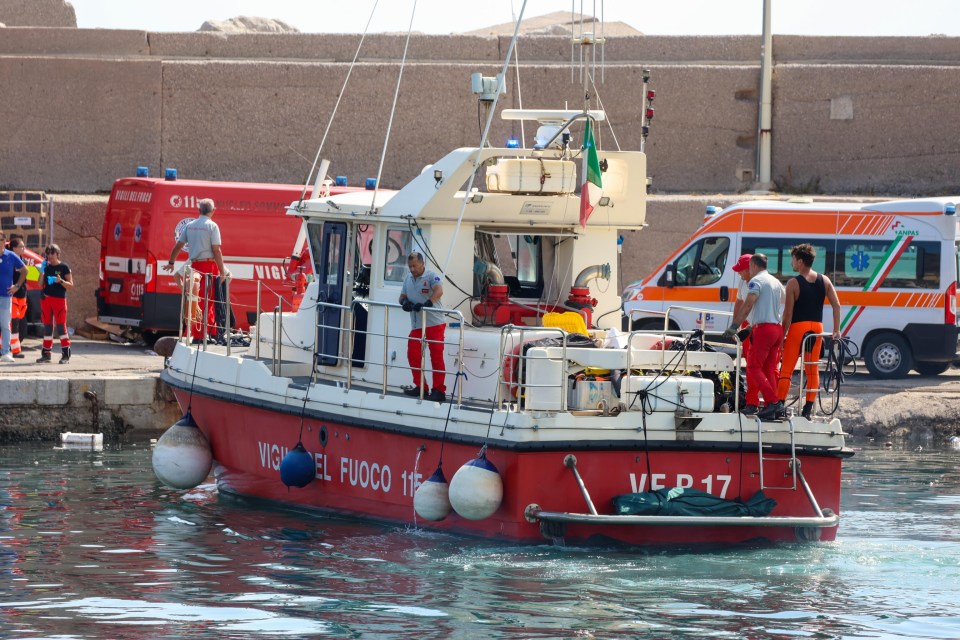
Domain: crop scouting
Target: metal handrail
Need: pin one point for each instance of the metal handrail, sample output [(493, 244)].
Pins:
[(803, 369), (824, 521)]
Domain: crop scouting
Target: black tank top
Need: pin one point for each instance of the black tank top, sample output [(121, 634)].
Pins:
[(809, 304)]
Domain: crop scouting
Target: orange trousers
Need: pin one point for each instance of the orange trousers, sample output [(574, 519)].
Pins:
[(791, 351)]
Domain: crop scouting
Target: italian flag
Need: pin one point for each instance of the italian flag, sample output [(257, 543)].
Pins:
[(591, 189)]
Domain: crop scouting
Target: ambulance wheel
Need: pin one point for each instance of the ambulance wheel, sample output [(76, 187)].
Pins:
[(648, 324), (888, 356), (931, 368)]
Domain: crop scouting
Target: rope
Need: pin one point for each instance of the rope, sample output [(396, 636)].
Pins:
[(336, 105), (834, 375), (393, 108), (486, 134)]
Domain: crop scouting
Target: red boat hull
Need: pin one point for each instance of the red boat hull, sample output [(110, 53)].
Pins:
[(373, 473)]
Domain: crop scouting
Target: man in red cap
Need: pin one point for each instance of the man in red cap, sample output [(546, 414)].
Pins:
[(741, 268), (763, 307)]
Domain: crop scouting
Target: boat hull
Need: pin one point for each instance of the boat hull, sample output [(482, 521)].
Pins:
[(370, 472)]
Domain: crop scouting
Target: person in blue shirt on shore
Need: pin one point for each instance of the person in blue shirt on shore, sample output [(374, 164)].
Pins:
[(10, 262)]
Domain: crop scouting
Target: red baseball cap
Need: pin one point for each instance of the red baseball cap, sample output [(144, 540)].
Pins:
[(742, 263)]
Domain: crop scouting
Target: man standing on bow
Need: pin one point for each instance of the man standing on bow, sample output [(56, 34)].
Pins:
[(762, 307), (423, 289)]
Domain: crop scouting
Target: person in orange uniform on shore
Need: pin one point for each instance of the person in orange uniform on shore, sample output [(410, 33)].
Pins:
[(803, 314)]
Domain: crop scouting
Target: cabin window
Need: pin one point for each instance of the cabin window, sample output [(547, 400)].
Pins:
[(860, 263), (519, 258), (778, 255), (397, 246), (703, 262)]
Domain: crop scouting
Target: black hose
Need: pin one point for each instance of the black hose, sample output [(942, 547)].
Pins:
[(833, 377)]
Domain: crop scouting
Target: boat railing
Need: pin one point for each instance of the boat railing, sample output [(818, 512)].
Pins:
[(344, 359), (512, 384)]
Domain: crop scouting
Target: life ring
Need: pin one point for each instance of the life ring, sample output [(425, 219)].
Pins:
[(511, 370)]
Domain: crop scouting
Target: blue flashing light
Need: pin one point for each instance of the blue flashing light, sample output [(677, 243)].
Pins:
[(711, 210), (169, 174), (619, 240), (370, 184), (513, 143), (950, 209), (143, 172), (340, 181)]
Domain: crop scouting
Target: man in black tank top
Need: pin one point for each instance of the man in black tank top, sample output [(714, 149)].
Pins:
[(803, 314)]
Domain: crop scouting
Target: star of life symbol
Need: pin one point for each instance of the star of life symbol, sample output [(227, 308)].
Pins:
[(860, 261)]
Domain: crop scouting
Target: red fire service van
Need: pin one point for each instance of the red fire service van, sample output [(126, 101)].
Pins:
[(144, 216)]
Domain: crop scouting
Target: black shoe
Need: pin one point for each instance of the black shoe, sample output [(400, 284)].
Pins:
[(437, 396), (19, 356), (65, 355), (772, 411), (807, 410), (750, 410), (413, 391), (44, 356)]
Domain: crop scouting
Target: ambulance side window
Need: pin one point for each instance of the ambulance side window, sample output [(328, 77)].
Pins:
[(703, 262), (860, 261), (778, 255)]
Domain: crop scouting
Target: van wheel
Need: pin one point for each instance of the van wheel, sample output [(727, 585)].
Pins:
[(888, 356), (931, 368)]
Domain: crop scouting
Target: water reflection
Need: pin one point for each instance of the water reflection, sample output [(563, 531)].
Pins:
[(92, 547)]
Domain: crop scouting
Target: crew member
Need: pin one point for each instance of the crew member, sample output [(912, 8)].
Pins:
[(762, 307), (423, 289), (206, 257), (18, 315), (803, 314), (56, 278), (10, 264), (741, 268)]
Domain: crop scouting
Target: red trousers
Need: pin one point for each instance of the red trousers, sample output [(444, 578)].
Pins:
[(764, 359), (53, 315), (434, 337), (791, 351)]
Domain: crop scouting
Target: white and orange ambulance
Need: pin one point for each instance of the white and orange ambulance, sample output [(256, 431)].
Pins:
[(894, 265)]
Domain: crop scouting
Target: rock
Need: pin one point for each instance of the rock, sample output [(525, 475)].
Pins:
[(37, 13), (247, 24)]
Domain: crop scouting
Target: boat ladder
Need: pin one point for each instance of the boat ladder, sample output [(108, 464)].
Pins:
[(793, 463)]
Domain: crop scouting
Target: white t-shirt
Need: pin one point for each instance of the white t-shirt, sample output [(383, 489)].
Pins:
[(201, 236), (770, 294), (418, 291)]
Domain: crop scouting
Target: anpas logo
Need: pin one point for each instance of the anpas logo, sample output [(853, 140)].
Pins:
[(899, 229)]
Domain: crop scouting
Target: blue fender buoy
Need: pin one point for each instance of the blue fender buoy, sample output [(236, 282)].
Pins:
[(476, 489), (432, 499), (182, 457), (298, 468)]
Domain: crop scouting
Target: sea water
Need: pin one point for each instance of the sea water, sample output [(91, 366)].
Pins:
[(92, 547)]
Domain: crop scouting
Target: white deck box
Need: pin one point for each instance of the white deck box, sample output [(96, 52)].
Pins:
[(668, 393), (523, 175)]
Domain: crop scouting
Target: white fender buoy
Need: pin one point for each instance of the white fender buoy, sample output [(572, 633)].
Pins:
[(182, 456), (476, 490), (432, 499), (298, 468)]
